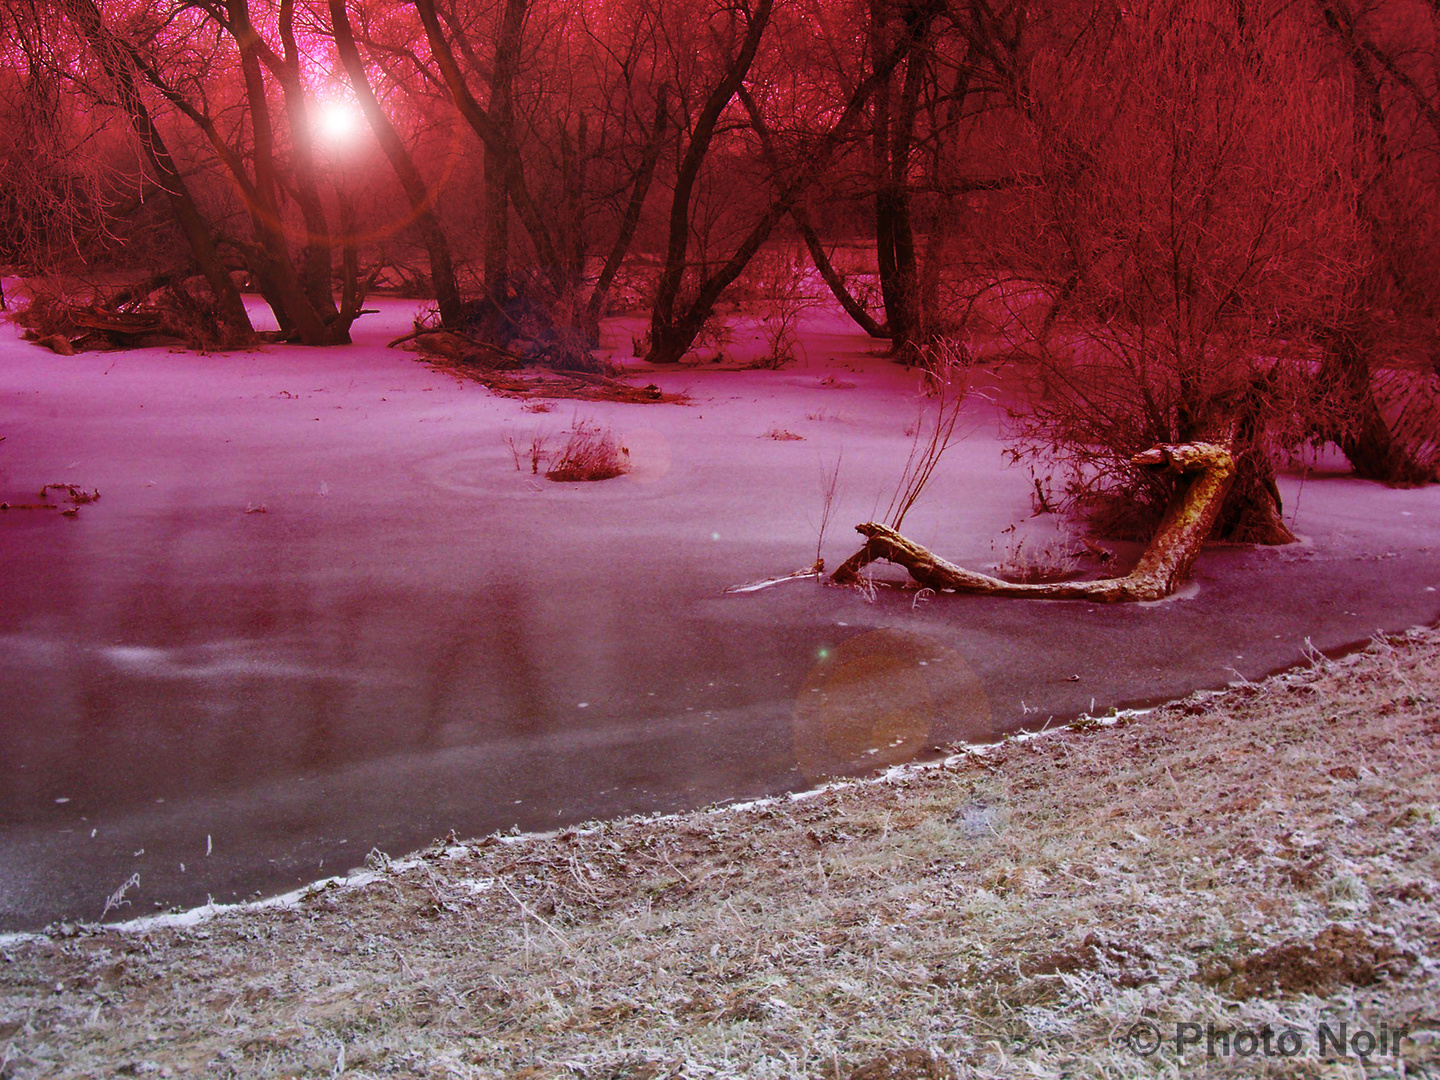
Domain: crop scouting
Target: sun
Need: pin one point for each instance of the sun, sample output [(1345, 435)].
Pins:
[(338, 122)]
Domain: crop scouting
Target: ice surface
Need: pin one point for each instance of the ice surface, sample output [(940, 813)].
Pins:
[(397, 646)]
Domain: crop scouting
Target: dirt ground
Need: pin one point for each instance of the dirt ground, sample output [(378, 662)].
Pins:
[(1210, 889)]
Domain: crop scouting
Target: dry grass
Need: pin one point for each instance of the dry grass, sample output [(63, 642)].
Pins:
[(1029, 563), (532, 451), (1268, 856), (590, 453), (537, 387)]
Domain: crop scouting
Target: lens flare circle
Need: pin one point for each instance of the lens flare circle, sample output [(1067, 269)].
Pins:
[(650, 456), (880, 699)]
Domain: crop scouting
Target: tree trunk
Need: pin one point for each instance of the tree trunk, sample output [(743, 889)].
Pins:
[(1252, 513), (351, 294), (1367, 440), (907, 264), (892, 139), (573, 161), (316, 266), (832, 279), (502, 169), (1364, 437), (286, 285), (631, 220), (669, 337), (1252, 510), (496, 252), (1207, 471)]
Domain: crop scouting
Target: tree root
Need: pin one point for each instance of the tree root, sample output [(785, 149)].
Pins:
[(1163, 566)]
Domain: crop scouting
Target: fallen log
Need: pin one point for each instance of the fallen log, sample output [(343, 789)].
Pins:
[(129, 323), (1208, 470)]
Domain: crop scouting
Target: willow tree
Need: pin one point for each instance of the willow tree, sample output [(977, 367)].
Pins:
[(1190, 188), (1381, 343)]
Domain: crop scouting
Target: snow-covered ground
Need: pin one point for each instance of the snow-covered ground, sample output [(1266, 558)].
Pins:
[(414, 636)]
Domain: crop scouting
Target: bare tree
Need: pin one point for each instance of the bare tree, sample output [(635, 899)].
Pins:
[(808, 233), (673, 325), (120, 63), (1188, 190), (671, 333), (894, 112), (300, 291), (495, 129), (190, 71), (629, 219), (419, 193), (53, 195)]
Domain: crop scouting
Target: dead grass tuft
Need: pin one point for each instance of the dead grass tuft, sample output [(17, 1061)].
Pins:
[(1030, 564), (591, 453), (910, 1064)]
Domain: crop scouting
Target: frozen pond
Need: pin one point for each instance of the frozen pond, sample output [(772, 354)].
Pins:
[(414, 637)]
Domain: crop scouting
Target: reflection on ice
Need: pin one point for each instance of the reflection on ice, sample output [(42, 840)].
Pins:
[(214, 660)]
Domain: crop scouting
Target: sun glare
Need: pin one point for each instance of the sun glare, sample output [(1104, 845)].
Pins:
[(338, 122)]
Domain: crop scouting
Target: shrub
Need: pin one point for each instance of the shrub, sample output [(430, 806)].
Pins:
[(780, 280)]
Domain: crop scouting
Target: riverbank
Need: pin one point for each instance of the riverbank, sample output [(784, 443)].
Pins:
[(1262, 861)]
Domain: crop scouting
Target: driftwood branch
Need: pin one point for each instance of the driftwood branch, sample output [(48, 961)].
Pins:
[(420, 331), (1165, 563), (815, 571)]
